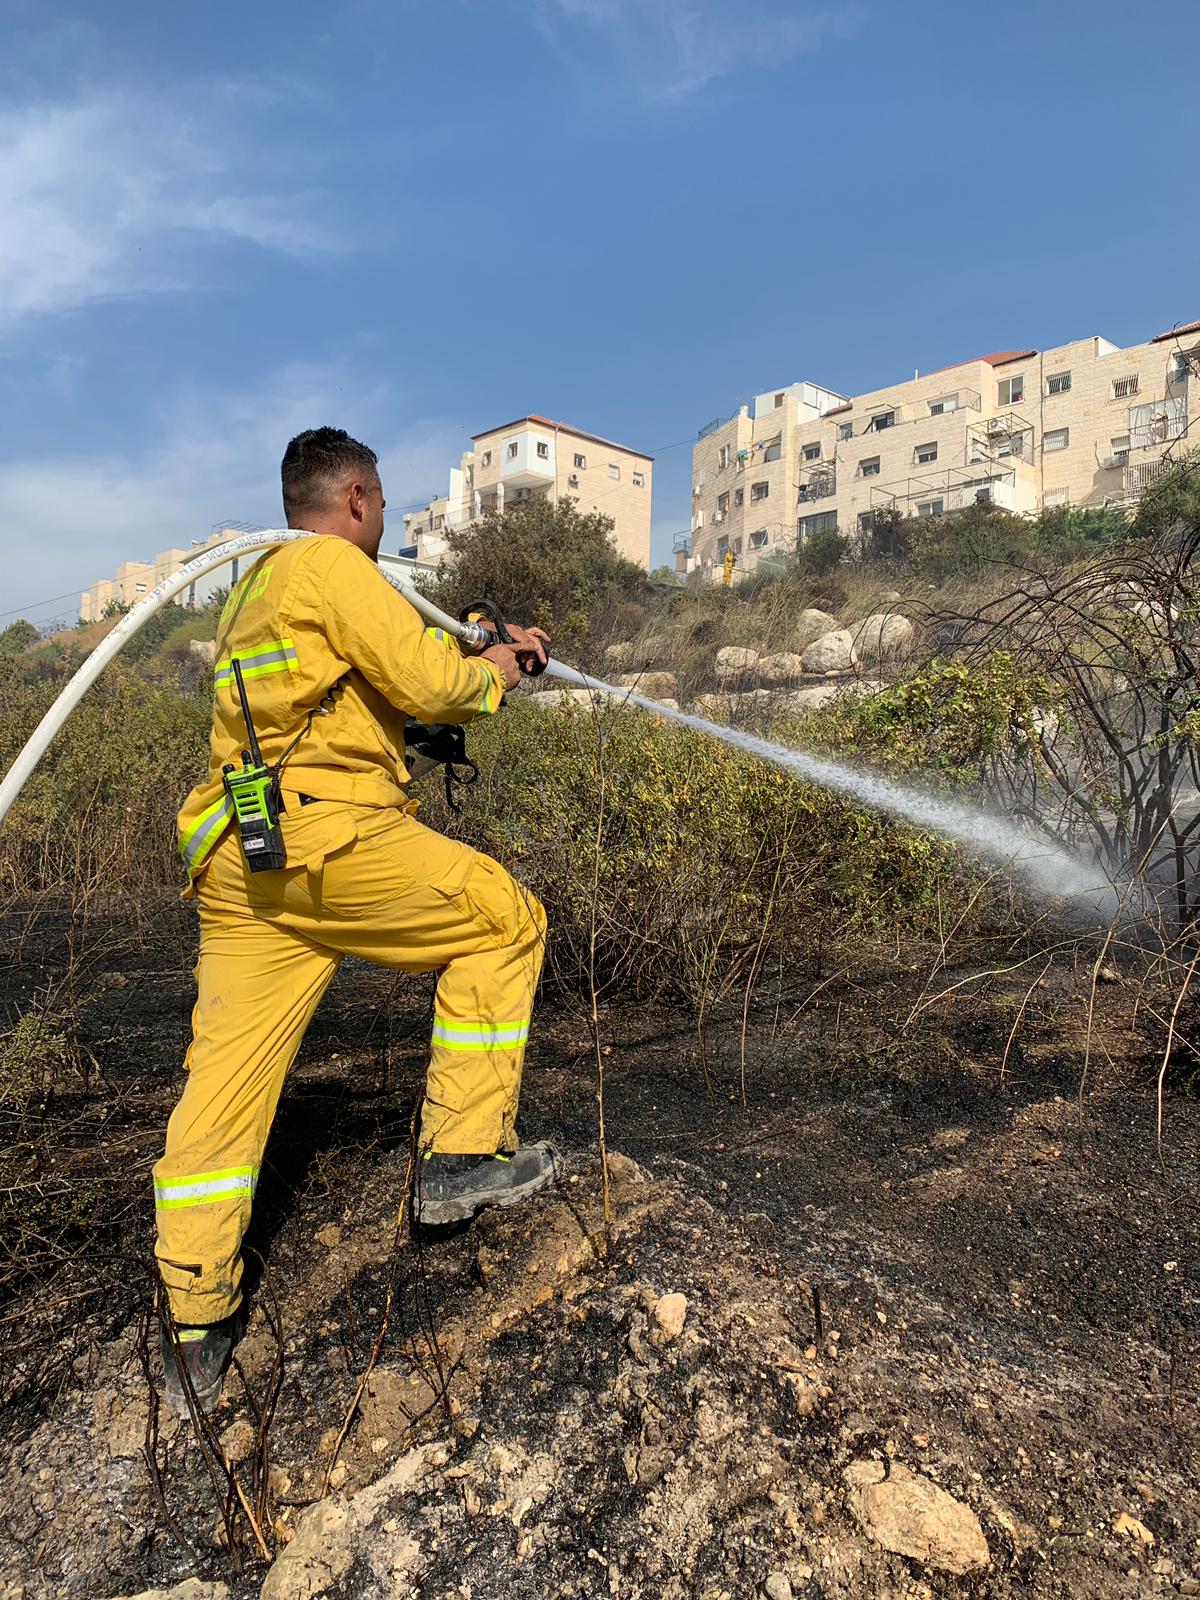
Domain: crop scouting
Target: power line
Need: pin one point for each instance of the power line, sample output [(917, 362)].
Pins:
[(36, 605)]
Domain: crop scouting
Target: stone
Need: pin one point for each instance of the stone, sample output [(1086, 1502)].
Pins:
[(330, 1235), (778, 1586), (620, 654), (909, 1515), (321, 1552), (189, 1589), (832, 652), (784, 668), (238, 1440), (713, 705), (802, 700), (890, 595), (670, 1314), (204, 649), (883, 636), (568, 700), (734, 662), (623, 1169), (810, 625), (654, 685)]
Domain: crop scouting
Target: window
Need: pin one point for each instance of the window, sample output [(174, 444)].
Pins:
[(614, 471), (881, 420), (1120, 444), (866, 521), (868, 467), (773, 451), (1178, 371), (1010, 391), (738, 496), (845, 430), (723, 502), (486, 459), (543, 450), (811, 452), (1056, 439), (759, 491), (140, 588), (722, 544), (737, 547), (779, 398), (926, 453), (1058, 383), (758, 540), (439, 522), (580, 461), (819, 522), (930, 508), (511, 450), (1122, 388), (639, 480), (1155, 424), (1056, 497), (943, 404)]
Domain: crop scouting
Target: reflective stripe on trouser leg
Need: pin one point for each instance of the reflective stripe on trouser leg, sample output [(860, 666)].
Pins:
[(481, 1024), (258, 985)]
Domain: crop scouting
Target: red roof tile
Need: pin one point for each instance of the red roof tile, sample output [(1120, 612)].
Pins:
[(833, 411), (561, 427), (1001, 358), (1173, 333)]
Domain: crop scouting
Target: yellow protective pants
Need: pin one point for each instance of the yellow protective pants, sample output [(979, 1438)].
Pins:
[(359, 881)]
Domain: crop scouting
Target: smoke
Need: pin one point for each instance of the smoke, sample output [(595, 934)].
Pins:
[(1044, 867)]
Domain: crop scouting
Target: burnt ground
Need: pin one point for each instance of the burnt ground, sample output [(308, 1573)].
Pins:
[(890, 1255)]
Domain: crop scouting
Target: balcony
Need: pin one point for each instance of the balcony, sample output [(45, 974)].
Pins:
[(1139, 475), (527, 462), (821, 484)]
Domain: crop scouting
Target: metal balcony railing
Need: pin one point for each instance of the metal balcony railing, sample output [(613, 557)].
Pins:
[(1139, 475)]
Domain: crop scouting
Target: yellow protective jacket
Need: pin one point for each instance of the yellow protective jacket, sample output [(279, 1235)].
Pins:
[(307, 617)]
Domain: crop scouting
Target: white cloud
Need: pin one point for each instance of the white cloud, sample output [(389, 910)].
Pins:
[(670, 49), (66, 521), (109, 196)]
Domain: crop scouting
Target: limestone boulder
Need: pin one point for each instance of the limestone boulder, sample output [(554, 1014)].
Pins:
[(810, 625), (713, 706), (204, 650), (735, 663), (777, 670), (654, 685), (884, 636), (567, 700), (811, 699), (189, 1589), (909, 1515), (620, 654), (832, 652)]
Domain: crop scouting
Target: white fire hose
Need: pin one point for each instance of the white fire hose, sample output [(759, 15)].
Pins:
[(470, 633)]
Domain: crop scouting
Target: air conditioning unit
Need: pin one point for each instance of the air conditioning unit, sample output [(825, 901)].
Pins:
[(573, 480), (1114, 463), (718, 516), (996, 425)]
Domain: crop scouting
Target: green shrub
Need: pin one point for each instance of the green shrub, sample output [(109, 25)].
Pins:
[(33, 1055)]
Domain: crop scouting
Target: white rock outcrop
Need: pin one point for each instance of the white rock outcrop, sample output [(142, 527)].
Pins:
[(734, 663), (883, 636), (810, 625), (911, 1516), (778, 670), (655, 685), (832, 652)]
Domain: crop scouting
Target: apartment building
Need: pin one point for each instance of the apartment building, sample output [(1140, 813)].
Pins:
[(1083, 424), (537, 457), (134, 579)]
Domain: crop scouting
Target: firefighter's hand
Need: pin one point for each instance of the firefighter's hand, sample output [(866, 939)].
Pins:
[(504, 657), (530, 644)]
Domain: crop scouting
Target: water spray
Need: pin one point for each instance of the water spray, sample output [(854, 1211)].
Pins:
[(1047, 867)]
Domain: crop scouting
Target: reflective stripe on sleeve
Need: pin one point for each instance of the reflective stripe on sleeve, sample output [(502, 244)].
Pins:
[(205, 1188), (276, 655), (494, 691), (208, 827), (479, 1035), (441, 636)]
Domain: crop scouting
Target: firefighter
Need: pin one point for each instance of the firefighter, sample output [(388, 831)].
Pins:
[(332, 660)]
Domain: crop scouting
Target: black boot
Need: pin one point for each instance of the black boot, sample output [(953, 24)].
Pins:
[(454, 1188), (204, 1354)]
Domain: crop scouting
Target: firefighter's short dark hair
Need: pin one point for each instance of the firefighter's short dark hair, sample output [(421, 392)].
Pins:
[(316, 463)]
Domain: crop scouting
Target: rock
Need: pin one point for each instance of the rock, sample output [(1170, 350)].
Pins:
[(810, 625), (567, 700), (670, 1314), (713, 705), (1132, 1528), (832, 652), (802, 700), (734, 662), (784, 668), (1190, 1586), (189, 1589), (910, 1516), (778, 1586), (622, 1169), (620, 654), (205, 649), (320, 1553), (654, 685), (238, 1440), (329, 1235), (883, 636), (890, 595)]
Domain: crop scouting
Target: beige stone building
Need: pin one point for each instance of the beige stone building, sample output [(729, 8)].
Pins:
[(135, 579), (537, 457), (1082, 424)]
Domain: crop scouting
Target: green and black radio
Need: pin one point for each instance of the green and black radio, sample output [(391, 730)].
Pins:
[(254, 793)]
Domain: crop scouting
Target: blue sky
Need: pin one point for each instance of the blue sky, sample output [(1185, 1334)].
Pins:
[(221, 223)]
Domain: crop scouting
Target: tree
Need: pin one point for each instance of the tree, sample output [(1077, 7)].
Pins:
[(822, 553), (542, 563), (17, 637)]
